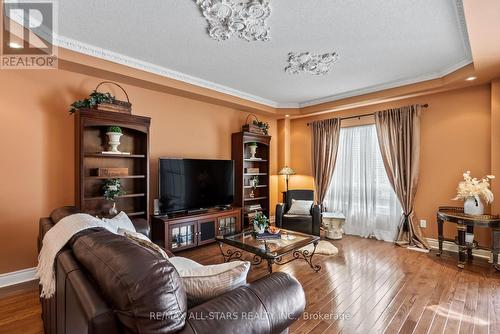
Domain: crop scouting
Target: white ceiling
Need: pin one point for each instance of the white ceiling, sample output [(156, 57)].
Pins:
[(381, 44)]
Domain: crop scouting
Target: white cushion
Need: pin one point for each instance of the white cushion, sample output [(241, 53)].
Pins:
[(300, 207), (206, 282), (184, 264), (120, 221)]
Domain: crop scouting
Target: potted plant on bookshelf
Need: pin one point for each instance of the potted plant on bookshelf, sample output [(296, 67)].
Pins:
[(260, 223), (253, 149), (114, 133), (112, 189), (254, 182)]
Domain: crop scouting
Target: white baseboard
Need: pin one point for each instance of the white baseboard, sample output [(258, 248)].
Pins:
[(452, 247), (17, 277)]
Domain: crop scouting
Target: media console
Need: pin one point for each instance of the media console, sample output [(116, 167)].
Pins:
[(186, 231)]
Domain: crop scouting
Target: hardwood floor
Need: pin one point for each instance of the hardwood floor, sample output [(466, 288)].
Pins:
[(369, 287), (20, 310)]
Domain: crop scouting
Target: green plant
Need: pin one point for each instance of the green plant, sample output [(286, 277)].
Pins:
[(261, 221), (94, 98), (264, 126), (115, 129), (112, 189), (252, 144)]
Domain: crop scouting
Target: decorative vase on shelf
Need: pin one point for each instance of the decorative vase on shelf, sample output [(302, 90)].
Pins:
[(112, 211), (473, 206), (114, 141), (253, 150), (259, 229)]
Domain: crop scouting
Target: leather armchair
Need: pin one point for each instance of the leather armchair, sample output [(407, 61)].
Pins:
[(309, 224)]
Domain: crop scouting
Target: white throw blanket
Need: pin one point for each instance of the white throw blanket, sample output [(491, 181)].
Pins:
[(54, 240)]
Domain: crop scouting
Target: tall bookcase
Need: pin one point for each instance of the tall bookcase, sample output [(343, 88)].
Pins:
[(91, 141), (243, 188)]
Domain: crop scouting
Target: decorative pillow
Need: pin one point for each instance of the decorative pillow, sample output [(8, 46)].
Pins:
[(202, 283), (120, 221), (144, 241), (300, 207)]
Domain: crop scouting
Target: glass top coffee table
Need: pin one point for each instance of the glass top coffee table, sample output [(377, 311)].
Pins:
[(272, 251)]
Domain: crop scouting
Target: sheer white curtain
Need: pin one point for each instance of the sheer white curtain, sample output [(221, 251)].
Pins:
[(360, 188)]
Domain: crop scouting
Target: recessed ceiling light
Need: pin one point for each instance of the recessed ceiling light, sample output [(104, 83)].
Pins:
[(471, 78), (287, 115), (15, 45)]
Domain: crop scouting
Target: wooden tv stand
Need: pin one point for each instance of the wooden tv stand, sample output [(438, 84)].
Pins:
[(186, 231)]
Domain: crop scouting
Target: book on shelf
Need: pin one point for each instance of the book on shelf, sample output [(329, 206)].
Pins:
[(252, 207), (252, 170)]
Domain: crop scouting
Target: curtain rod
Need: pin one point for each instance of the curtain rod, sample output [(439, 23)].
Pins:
[(370, 114)]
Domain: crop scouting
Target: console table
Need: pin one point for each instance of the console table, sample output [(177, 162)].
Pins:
[(465, 224)]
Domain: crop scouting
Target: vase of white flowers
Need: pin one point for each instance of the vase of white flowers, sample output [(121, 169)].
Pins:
[(472, 191), (260, 223)]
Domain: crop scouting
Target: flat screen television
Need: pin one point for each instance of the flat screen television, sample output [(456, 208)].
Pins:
[(194, 184)]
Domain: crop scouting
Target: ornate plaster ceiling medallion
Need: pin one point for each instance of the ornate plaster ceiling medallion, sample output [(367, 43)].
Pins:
[(245, 19), (307, 62)]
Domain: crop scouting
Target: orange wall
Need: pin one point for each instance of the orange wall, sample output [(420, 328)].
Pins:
[(495, 141), (37, 146), (455, 138)]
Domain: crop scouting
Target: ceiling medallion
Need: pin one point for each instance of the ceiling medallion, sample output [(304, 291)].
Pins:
[(307, 62), (245, 19)]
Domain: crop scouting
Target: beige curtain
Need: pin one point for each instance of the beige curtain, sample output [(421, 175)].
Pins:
[(325, 143), (398, 132)]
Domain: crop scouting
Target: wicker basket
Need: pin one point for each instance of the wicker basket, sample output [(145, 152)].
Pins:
[(250, 127), (124, 107)]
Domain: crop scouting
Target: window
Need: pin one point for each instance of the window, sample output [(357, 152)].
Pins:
[(360, 188)]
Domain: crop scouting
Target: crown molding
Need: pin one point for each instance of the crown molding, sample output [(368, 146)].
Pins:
[(101, 53), (377, 88), (114, 57), (121, 59)]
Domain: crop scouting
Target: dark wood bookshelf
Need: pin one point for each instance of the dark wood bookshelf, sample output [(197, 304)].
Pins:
[(240, 153), (90, 131)]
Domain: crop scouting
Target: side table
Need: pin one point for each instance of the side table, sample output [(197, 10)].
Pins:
[(333, 223)]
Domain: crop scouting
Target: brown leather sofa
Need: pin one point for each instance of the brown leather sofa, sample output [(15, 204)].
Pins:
[(80, 306)]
